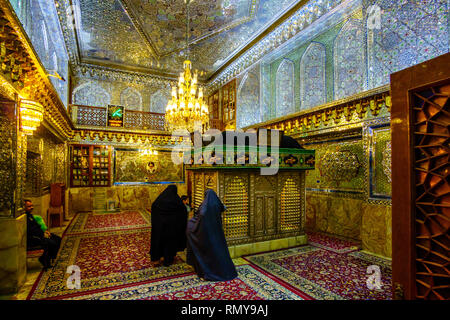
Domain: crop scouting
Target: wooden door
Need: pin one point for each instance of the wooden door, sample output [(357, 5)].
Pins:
[(265, 206), (420, 119)]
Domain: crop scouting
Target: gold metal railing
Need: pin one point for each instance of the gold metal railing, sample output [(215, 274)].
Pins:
[(91, 116)]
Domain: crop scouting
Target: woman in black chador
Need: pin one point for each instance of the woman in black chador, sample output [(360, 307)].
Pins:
[(207, 249), (169, 219)]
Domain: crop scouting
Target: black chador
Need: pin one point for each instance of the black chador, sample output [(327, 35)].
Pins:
[(169, 218), (207, 249)]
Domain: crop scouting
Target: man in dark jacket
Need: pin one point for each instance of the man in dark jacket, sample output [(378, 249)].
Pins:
[(38, 238)]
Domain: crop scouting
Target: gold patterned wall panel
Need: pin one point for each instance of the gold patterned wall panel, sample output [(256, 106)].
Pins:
[(48, 163), (33, 181), (340, 166), (7, 178), (236, 200), (377, 140), (61, 163), (21, 158), (131, 166)]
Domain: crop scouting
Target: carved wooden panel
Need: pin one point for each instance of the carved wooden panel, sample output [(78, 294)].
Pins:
[(265, 183), (265, 215), (270, 214), (430, 120), (259, 216), (420, 120)]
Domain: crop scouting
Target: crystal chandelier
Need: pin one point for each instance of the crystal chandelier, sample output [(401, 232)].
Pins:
[(31, 115), (187, 109)]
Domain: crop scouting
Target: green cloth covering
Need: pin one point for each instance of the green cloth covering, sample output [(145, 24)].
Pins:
[(40, 222)]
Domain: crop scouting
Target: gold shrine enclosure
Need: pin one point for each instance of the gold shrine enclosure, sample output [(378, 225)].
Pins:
[(264, 211)]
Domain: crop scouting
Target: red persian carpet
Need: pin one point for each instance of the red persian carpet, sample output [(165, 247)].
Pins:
[(323, 274), (105, 221), (251, 284), (330, 243), (112, 252), (107, 259)]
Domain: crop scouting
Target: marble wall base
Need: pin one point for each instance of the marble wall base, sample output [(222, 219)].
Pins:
[(124, 197), (352, 219), (264, 246), (333, 215), (13, 254), (376, 230)]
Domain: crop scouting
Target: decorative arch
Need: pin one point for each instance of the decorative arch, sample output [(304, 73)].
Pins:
[(158, 101), (285, 89), (313, 90), (349, 64), (248, 106), (91, 94), (131, 99)]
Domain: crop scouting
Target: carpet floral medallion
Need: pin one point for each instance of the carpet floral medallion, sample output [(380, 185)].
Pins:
[(324, 275), (106, 221), (105, 260), (250, 285), (330, 243)]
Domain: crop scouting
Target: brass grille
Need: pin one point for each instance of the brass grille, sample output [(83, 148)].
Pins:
[(198, 191), (235, 218), (290, 207), (91, 116)]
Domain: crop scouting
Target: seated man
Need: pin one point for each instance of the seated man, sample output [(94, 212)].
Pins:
[(39, 236)]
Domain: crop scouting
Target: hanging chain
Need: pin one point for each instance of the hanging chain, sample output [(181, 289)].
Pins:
[(187, 29)]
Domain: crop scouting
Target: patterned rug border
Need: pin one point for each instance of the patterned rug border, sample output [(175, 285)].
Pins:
[(348, 249), (282, 282), (313, 290), (341, 251), (264, 261), (67, 256), (385, 262), (260, 288), (237, 262), (118, 287), (80, 219)]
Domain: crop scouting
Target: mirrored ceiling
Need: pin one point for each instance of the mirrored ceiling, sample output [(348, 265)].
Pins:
[(149, 35)]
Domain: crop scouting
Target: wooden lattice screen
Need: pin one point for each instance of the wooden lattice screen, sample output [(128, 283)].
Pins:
[(420, 186)]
